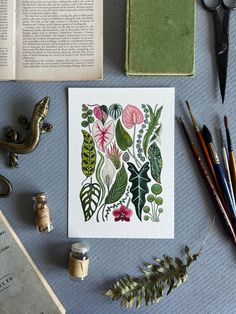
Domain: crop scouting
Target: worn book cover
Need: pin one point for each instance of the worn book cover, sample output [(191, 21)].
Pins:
[(160, 36), (23, 288)]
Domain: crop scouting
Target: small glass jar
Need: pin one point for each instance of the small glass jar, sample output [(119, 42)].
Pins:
[(42, 213), (79, 261)]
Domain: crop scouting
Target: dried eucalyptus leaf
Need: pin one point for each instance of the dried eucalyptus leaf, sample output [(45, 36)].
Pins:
[(163, 276)]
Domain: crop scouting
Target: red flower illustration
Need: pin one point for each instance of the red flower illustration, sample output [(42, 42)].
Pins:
[(122, 214)]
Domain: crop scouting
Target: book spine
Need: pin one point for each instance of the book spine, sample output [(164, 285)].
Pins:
[(128, 4)]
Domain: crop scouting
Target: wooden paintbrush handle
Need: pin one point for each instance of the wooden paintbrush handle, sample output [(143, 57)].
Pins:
[(210, 167), (214, 195), (232, 166)]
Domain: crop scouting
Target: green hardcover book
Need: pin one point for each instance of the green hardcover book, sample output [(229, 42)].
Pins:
[(160, 37)]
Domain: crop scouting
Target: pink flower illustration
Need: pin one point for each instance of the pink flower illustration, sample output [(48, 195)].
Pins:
[(114, 154), (131, 116), (122, 214), (103, 134), (101, 113)]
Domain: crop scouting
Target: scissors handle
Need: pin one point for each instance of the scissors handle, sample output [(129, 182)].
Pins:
[(212, 8), (218, 4), (229, 6)]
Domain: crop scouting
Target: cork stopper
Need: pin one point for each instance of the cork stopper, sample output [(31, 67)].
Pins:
[(80, 247)]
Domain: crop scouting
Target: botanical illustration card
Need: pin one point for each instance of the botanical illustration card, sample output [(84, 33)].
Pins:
[(121, 162)]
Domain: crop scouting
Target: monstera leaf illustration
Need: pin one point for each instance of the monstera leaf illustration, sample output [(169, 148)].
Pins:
[(139, 189), (154, 156), (88, 155), (118, 188), (90, 196)]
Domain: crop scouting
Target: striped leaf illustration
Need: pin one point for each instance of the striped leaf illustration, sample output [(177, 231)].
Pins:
[(139, 188), (88, 155)]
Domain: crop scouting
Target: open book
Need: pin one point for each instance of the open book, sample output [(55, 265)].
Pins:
[(44, 40)]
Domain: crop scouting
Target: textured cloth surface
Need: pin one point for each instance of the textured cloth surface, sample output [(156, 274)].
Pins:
[(211, 286)]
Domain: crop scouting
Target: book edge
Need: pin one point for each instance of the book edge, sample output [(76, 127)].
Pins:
[(35, 268), (127, 36)]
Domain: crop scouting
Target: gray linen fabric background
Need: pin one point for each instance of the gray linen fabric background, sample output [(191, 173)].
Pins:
[(211, 286)]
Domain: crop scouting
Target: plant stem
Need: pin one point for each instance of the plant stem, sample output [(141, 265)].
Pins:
[(103, 212), (99, 211), (84, 181), (127, 205), (134, 141), (137, 162), (89, 128), (152, 209)]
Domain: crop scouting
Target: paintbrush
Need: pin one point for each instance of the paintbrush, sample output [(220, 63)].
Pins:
[(205, 152), (226, 166), (232, 163), (212, 191), (219, 173)]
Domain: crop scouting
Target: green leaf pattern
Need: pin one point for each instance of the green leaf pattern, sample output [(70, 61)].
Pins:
[(90, 196), (94, 193), (118, 188), (88, 155), (153, 123), (139, 188), (154, 156)]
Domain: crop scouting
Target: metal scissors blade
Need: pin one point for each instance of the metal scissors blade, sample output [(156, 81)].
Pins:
[(221, 37), (222, 63)]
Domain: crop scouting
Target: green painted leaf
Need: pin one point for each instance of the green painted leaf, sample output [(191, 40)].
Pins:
[(139, 189), (156, 163), (90, 196), (153, 123), (118, 188), (123, 138), (98, 176), (88, 155)]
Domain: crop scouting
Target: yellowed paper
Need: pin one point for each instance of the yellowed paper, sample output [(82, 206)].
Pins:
[(59, 40), (7, 46)]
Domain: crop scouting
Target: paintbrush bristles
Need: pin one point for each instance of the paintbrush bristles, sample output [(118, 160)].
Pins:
[(229, 142), (188, 106), (226, 122), (192, 117), (206, 134)]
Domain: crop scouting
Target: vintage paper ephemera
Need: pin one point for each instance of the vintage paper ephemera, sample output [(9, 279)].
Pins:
[(23, 288), (121, 162)]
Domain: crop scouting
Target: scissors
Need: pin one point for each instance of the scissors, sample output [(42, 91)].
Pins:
[(221, 38)]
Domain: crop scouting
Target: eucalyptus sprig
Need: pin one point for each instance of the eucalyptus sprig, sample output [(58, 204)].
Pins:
[(166, 273)]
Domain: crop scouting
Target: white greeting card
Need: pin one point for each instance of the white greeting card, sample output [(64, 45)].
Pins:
[(121, 162)]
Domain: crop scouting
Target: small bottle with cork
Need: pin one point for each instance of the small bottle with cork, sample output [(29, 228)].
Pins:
[(42, 213), (79, 261)]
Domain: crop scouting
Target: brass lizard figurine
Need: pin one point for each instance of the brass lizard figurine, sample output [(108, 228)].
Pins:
[(14, 146)]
